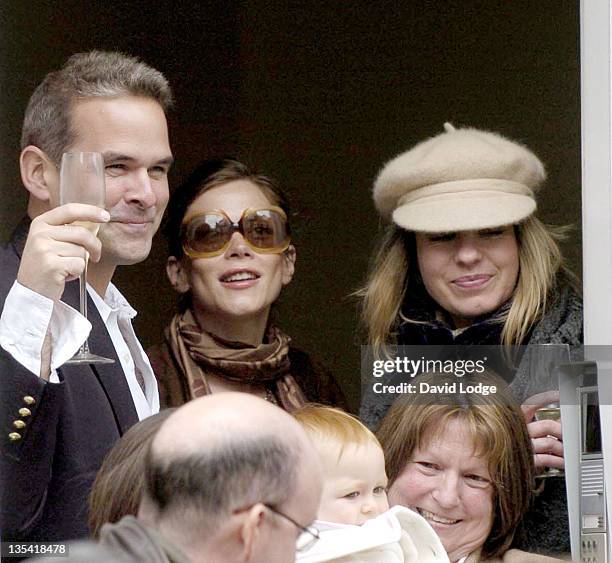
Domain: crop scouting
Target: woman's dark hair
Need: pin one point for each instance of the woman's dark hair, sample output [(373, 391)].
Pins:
[(120, 482), (210, 174)]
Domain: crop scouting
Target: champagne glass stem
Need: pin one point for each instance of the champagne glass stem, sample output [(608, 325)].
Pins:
[(84, 349), (84, 356)]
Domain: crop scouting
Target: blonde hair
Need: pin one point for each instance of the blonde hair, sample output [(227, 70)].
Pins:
[(329, 423), (394, 268), (498, 431)]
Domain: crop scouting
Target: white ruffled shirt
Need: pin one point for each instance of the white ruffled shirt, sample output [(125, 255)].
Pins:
[(22, 336)]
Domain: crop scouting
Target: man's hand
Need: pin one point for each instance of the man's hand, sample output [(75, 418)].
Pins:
[(55, 250), (546, 436)]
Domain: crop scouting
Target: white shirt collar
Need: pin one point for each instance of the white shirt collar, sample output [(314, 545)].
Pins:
[(113, 301)]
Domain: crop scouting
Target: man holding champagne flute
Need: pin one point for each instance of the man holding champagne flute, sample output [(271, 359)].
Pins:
[(59, 419)]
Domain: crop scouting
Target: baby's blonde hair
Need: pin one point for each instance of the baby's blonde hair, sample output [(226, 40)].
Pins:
[(322, 422)]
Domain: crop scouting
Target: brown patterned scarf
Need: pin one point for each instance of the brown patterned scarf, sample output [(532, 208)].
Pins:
[(201, 353)]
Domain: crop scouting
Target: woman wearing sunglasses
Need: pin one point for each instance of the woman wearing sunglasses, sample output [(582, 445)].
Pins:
[(230, 256)]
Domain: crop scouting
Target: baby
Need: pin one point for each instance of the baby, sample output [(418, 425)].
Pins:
[(354, 520), (355, 485)]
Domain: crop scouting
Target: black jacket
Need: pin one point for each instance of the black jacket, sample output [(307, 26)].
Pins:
[(46, 473)]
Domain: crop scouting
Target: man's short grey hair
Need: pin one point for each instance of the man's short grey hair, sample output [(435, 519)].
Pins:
[(193, 493), (94, 74)]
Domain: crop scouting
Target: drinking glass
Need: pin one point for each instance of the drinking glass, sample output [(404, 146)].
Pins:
[(82, 181), (545, 377), (551, 411)]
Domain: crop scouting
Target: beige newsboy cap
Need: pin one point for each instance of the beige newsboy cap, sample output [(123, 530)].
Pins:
[(462, 179)]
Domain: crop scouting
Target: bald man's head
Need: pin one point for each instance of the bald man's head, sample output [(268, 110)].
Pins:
[(221, 454), (211, 420)]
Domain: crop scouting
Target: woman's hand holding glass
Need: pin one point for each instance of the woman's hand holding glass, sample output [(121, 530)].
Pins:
[(545, 433)]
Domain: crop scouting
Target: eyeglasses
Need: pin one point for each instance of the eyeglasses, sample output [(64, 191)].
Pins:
[(309, 535), (208, 234)]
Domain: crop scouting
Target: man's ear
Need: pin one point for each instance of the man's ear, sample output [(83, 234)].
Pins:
[(289, 257), (177, 274), (39, 175), (251, 532)]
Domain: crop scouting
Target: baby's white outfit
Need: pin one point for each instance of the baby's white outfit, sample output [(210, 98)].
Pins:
[(400, 535)]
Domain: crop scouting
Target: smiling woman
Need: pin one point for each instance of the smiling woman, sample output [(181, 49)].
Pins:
[(465, 261), (442, 260), (230, 256), (465, 465)]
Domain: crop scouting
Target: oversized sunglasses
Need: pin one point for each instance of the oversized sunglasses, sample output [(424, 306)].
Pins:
[(208, 234)]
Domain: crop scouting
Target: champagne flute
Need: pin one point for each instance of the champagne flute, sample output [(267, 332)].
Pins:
[(82, 181)]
